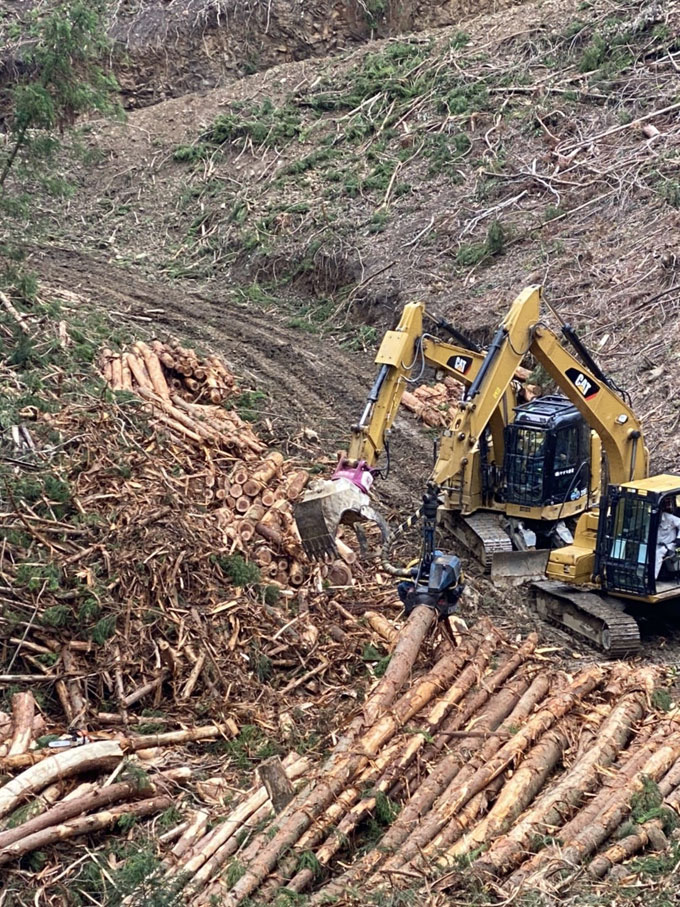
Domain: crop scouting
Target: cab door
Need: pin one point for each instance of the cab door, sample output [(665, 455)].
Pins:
[(626, 557)]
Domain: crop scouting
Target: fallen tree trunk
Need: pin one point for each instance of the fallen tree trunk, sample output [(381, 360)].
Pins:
[(82, 826), (204, 849), (407, 753), (515, 796), (650, 832), (473, 776), (68, 808), (98, 755), (551, 810), (471, 706)]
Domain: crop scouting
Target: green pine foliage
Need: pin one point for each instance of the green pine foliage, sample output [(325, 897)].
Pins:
[(65, 77)]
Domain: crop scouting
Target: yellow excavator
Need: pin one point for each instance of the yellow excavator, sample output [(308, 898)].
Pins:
[(540, 464), (482, 515)]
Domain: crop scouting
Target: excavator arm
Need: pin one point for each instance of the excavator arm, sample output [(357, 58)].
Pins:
[(402, 352), (486, 392), (405, 351), (600, 404)]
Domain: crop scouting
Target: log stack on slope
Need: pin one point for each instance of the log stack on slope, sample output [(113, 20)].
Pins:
[(254, 490), (437, 404), (488, 756)]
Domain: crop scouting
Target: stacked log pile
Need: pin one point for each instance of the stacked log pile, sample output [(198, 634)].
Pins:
[(490, 756), (254, 497), (436, 405), (184, 392)]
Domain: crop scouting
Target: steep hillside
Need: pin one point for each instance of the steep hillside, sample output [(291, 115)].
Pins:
[(288, 175), (538, 143)]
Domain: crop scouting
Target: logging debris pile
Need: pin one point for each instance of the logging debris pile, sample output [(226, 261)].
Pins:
[(437, 404), (490, 765), (150, 559)]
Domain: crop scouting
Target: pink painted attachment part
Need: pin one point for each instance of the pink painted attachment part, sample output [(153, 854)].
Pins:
[(360, 475)]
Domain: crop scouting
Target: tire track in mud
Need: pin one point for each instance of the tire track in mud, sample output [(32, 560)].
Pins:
[(310, 381), (317, 379)]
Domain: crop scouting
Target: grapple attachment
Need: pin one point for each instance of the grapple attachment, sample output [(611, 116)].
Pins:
[(326, 505)]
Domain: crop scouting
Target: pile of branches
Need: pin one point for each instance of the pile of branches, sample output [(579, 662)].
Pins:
[(492, 755), (156, 562), (62, 787)]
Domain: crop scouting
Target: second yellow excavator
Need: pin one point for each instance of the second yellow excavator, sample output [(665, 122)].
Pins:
[(537, 466), (490, 506)]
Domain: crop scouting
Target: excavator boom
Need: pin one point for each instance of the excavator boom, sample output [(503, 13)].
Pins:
[(345, 497)]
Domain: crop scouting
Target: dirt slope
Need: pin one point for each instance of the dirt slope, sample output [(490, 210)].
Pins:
[(310, 384), (535, 143)]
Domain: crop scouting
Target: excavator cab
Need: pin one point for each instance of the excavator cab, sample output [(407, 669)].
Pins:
[(638, 537), (547, 457)]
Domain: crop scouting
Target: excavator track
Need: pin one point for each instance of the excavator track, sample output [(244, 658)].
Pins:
[(598, 619), (481, 533)]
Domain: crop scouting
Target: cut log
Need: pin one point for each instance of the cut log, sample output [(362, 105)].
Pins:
[(271, 535), (650, 832), (268, 469), (153, 367), (192, 833), (99, 755), (515, 796), (339, 574), (177, 738), (345, 552), (406, 751), (296, 573), (268, 497), (23, 712), (126, 373), (418, 822), (139, 372), (240, 475), (382, 626), (83, 825), (93, 799), (630, 768), (255, 512), (216, 839), (296, 483)]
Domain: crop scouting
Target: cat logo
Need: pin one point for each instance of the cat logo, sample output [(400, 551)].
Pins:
[(585, 385), (460, 364)]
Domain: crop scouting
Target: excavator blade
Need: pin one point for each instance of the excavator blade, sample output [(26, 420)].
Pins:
[(326, 505), (515, 567)]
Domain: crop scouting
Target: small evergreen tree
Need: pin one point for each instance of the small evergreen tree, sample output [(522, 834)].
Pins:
[(65, 78)]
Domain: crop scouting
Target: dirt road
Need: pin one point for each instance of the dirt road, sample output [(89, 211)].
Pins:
[(309, 382)]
